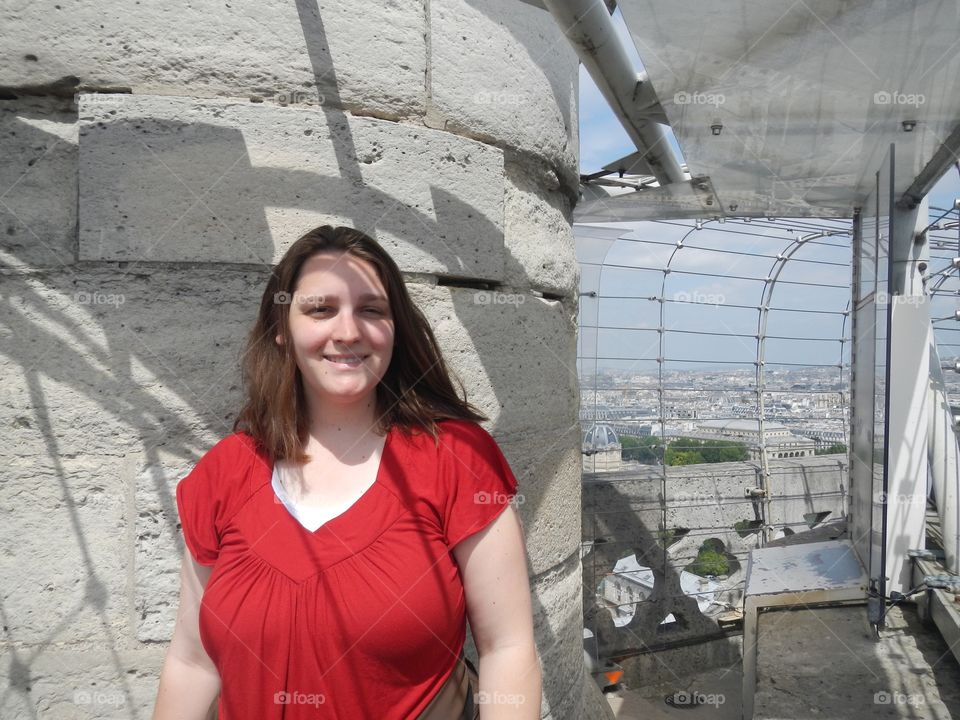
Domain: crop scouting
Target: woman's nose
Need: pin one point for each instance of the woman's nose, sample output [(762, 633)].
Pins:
[(347, 328)]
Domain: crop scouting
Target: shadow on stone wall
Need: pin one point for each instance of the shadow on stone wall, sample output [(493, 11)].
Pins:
[(129, 358)]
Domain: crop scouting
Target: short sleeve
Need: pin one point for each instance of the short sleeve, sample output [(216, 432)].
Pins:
[(476, 479), (197, 504)]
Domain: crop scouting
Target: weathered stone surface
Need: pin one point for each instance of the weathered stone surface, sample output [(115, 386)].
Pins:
[(63, 539), (38, 182), (62, 684), (505, 373), (221, 181), (239, 135), (557, 609), (807, 486), (505, 72), (827, 662), (140, 366), (109, 362), (370, 55), (537, 235), (546, 465), (159, 547)]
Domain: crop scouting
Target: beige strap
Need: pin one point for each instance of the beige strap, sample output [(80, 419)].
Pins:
[(455, 701)]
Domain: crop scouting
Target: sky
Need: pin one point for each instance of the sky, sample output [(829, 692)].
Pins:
[(602, 140)]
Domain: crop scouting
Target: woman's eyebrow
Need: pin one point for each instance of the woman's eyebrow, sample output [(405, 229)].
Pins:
[(372, 296)]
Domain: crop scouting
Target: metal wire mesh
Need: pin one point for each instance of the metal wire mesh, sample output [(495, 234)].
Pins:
[(698, 330)]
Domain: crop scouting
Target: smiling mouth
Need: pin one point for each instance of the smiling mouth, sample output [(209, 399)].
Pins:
[(346, 360)]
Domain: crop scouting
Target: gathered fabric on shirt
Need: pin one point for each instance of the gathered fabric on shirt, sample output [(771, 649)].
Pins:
[(363, 616)]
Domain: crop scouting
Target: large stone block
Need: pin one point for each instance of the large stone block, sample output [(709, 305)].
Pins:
[(515, 353), (38, 182), (558, 619), (110, 362), (547, 467), (219, 181), (63, 564), (803, 489), (503, 71), (79, 685), (160, 546), (369, 56), (537, 234)]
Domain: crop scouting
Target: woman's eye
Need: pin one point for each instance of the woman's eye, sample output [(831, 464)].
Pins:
[(320, 308)]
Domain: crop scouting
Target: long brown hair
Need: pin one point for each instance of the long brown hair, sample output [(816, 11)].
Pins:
[(415, 392)]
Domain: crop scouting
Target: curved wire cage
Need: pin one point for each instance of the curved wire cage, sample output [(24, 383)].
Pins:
[(943, 286), (718, 352)]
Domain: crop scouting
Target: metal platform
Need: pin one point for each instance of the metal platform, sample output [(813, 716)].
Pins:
[(797, 575)]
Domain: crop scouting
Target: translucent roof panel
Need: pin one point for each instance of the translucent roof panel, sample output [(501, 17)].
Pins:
[(789, 107)]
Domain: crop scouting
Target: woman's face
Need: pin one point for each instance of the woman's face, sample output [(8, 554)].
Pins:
[(341, 328)]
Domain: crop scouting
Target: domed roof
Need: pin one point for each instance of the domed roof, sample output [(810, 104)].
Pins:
[(600, 436)]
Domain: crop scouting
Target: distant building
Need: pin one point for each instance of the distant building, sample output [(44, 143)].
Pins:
[(681, 412), (602, 449), (745, 410), (780, 442), (824, 437)]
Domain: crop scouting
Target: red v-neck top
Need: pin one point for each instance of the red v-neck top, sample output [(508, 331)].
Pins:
[(362, 618)]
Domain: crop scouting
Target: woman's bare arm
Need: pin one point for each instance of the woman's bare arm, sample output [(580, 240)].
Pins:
[(493, 565), (189, 681)]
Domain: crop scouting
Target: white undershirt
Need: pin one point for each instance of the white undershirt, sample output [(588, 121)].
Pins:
[(310, 516)]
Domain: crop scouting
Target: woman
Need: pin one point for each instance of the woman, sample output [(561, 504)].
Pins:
[(358, 512)]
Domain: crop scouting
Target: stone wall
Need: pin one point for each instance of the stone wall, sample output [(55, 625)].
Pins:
[(156, 160), (664, 515)]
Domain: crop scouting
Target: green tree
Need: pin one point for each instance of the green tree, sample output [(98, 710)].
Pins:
[(833, 449), (690, 451), (711, 560), (646, 450)]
